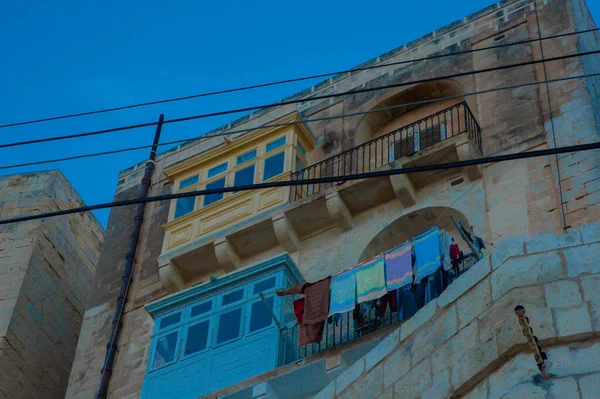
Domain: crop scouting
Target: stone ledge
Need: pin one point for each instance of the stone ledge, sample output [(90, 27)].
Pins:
[(466, 281)]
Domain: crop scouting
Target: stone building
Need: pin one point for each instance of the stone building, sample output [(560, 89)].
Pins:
[(46, 270), (201, 317)]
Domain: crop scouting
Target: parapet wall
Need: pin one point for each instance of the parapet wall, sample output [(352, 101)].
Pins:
[(469, 342)]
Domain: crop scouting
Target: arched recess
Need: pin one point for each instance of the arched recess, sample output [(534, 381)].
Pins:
[(376, 124), (411, 225)]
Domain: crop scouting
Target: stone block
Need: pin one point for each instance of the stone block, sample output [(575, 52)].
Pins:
[(590, 285), (582, 259), (572, 323), (526, 270), (506, 248), (349, 376), (475, 302), (383, 349), (473, 361), (369, 385), (549, 242), (518, 370), (396, 365), (595, 314), (479, 392), (569, 360), (339, 211), (589, 386), (590, 233), (440, 385), (465, 282), (417, 381), (387, 394), (327, 393), (562, 294), (420, 318), (527, 390), (429, 338)]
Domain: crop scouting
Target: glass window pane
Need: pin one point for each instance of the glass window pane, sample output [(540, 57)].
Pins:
[(229, 325), (246, 157), (264, 285), (169, 320), (232, 297), (183, 206), (275, 144), (164, 351), (201, 309), (273, 165), (210, 198), (217, 169), (188, 182), (299, 165), (197, 337), (301, 148), (244, 176), (260, 315)]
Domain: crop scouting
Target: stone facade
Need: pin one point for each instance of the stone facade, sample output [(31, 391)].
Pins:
[(515, 207), (46, 270)]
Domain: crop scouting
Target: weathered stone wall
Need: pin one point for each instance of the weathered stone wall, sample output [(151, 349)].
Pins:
[(46, 268), (469, 342)]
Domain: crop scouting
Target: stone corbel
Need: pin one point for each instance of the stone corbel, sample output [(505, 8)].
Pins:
[(285, 233), (339, 211), (465, 152), (171, 278), (226, 255), (404, 190)]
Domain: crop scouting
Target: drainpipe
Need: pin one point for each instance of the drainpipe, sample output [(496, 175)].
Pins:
[(111, 346)]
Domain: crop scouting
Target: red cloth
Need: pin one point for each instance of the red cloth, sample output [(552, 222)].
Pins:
[(454, 251), (299, 310), (390, 298)]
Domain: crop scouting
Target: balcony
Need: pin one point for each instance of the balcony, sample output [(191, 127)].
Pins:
[(452, 134)]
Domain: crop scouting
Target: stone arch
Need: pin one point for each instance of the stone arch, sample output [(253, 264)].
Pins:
[(412, 224), (375, 124)]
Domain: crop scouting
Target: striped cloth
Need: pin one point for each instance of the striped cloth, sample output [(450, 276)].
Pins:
[(370, 280), (445, 242), (343, 292), (427, 252), (398, 266)]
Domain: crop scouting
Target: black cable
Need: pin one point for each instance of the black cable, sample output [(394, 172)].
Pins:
[(304, 121), (322, 180), (281, 103), (279, 82)]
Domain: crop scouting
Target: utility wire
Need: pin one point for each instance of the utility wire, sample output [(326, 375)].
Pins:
[(321, 180), (304, 121), (321, 97), (285, 81)]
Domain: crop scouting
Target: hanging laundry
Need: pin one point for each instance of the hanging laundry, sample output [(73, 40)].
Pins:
[(454, 251), (299, 310), (343, 292), (310, 334), (316, 303), (445, 242), (398, 266), (391, 299), (295, 290), (427, 252), (370, 279)]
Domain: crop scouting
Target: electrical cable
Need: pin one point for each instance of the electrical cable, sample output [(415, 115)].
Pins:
[(285, 81), (326, 96), (321, 180), (304, 121)]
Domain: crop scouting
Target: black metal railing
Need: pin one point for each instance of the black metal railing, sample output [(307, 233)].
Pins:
[(380, 151), (351, 326)]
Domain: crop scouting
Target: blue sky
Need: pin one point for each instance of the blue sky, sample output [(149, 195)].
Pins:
[(74, 56)]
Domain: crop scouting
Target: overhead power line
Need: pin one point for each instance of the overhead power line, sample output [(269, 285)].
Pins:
[(322, 180), (314, 98), (285, 81), (206, 137)]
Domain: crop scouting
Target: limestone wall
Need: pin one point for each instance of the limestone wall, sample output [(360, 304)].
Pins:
[(468, 341), (46, 268)]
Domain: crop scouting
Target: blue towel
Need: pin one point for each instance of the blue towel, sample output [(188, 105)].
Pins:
[(343, 292), (427, 252)]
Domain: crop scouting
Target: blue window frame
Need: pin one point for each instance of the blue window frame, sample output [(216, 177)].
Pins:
[(244, 176), (275, 144), (210, 198), (165, 349), (301, 148), (197, 338), (190, 181), (216, 170), (246, 157), (273, 166)]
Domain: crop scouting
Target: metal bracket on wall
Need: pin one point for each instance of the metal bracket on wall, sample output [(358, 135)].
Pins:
[(532, 340)]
